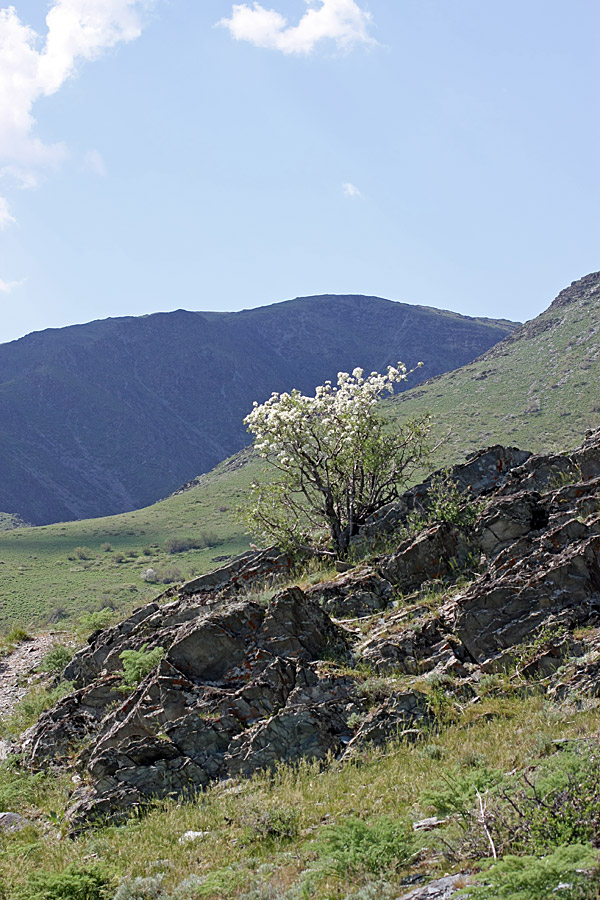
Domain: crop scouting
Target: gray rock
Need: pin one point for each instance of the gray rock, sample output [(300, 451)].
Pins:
[(440, 889), (11, 821)]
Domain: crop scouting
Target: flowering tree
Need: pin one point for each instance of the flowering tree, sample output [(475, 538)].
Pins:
[(336, 460)]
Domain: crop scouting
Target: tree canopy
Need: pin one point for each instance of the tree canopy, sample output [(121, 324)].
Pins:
[(336, 460)]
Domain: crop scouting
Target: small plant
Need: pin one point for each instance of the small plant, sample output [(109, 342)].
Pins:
[(106, 548), (81, 553), (30, 708), (98, 620), (141, 889), (74, 883), (139, 663), (183, 544), (17, 635), (275, 825), (355, 847), (56, 659), (561, 874)]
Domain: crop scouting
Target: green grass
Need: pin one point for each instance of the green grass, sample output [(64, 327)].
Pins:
[(537, 390), (288, 835), (59, 574)]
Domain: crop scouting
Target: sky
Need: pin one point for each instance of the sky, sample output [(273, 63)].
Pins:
[(210, 155)]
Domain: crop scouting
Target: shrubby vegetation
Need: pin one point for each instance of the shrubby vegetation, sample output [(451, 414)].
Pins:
[(336, 461)]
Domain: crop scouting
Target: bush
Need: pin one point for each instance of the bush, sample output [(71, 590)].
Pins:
[(81, 553), (560, 874), (56, 659), (356, 847), (17, 635), (183, 544), (139, 663), (88, 883)]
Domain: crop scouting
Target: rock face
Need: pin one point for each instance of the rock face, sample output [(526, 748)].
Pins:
[(243, 686)]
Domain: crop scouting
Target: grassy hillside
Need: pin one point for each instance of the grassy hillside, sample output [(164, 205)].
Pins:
[(59, 574), (538, 389)]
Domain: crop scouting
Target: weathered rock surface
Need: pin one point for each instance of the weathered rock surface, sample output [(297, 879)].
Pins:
[(243, 686)]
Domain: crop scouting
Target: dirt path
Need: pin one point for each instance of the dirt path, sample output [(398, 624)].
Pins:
[(17, 670)]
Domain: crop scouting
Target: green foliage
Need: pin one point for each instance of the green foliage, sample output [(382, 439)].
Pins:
[(335, 461), (276, 825), (139, 663), (561, 874), (560, 804), (56, 659), (455, 792), (16, 635), (446, 502), (81, 553), (74, 883), (183, 544), (356, 847)]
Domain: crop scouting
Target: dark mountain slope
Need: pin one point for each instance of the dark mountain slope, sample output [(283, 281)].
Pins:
[(109, 416)]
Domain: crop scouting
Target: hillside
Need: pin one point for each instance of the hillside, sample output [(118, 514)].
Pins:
[(110, 416), (44, 580), (422, 726), (539, 388)]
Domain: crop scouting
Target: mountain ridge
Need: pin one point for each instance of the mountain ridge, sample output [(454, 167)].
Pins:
[(108, 416)]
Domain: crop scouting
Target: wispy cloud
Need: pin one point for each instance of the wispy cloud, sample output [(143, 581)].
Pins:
[(93, 162), (33, 66), (5, 216), (350, 190), (341, 21), (7, 286)]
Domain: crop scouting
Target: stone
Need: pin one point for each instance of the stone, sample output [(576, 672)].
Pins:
[(11, 821), (353, 595), (440, 889)]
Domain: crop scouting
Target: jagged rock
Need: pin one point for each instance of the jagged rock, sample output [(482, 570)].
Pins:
[(236, 691), (73, 719), (405, 649), (480, 474), (355, 594), (396, 717), (242, 686), (438, 552)]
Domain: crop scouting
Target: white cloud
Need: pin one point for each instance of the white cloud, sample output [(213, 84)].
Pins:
[(93, 162), (350, 190), (7, 286), (5, 216), (342, 21), (33, 66)]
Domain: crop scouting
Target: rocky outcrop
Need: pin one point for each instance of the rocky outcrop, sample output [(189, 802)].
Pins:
[(244, 686)]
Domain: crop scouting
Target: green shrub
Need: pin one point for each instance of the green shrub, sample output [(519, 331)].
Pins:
[(560, 806), (183, 544), (356, 847), (17, 635), (139, 663), (81, 553), (88, 883), (56, 659), (270, 824), (455, 792), (561, 874)]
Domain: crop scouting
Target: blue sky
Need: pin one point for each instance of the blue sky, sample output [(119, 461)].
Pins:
[(210, 155)]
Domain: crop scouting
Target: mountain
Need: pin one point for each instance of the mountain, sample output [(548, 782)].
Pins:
[(107, 417), (538, 388)]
